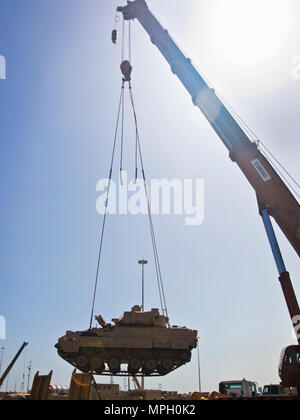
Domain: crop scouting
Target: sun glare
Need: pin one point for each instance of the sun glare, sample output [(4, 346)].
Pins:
[(245, 45), (250, 31)]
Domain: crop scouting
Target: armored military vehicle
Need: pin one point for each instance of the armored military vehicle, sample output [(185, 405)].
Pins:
[(143, 341)]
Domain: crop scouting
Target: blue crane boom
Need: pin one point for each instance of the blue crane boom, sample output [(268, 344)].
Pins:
[(202, 95), (272, 193), (274, 198)]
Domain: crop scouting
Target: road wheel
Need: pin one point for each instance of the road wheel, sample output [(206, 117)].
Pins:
[(82, 363), (185, 356), (100, 370), (114, 365), (149, 366), (134, 366), (166, 365), (97, 363)]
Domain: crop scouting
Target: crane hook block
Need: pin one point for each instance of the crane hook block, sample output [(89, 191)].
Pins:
[(114, 36), (126, 70)]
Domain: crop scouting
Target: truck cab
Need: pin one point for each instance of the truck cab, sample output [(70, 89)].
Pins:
[(277, 391), (238, 389), (289, 367)]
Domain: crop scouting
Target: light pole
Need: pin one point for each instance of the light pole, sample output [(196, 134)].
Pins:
[(199, 366), (143, 263), (29, 371), (2, 350)]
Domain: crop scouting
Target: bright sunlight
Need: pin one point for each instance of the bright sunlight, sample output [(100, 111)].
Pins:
[(249, 32)]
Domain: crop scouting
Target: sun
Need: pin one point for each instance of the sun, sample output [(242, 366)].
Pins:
[(249, 32), (244, 46)]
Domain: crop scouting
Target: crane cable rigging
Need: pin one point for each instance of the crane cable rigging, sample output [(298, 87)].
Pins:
[(286, 176), (126, 70), (265, 150)]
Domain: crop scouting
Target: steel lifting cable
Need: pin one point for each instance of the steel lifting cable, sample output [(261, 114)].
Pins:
[(120, 110), (275, 161), (129, 40), (138, 149), (123, 39), (152, 231), (122, 134), (253, 136), (106, 204), (138, 153), (133, 107)]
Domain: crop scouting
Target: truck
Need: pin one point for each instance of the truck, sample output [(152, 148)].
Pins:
[(239, 389), (278, 392)]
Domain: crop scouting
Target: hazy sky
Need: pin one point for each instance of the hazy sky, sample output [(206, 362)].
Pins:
[(58, 112)]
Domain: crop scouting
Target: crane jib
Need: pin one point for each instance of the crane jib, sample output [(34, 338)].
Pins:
[(273, 195), (202, 95)]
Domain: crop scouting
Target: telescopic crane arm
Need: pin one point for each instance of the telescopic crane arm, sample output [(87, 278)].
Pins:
[(5, 374), (273, 195)]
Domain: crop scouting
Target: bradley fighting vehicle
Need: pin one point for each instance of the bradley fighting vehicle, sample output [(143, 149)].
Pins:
[(141, 340)]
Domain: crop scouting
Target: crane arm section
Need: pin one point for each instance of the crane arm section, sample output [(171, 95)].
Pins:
[(136, 381), (204, 97), (272, 193), (11, 365)]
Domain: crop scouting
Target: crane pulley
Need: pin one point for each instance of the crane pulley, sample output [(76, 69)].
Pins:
[(126, 70)]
